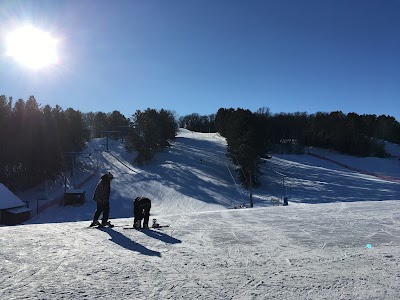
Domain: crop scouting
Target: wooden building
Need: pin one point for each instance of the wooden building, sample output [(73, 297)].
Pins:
[(12, 210)]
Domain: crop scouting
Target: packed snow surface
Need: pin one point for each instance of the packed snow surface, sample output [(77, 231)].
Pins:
[(338, 238)]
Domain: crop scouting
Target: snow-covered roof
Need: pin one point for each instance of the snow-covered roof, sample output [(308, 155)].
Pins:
[(8, 199), (18, 210)]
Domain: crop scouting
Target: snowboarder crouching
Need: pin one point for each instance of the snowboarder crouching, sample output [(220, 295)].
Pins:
[(141, 210), (102, 197)]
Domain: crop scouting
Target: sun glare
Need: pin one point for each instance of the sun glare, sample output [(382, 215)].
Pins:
[(32, 47)]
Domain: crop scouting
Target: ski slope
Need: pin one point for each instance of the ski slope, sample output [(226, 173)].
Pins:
[(339, 237)]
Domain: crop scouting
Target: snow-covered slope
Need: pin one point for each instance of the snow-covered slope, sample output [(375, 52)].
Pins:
[(190, 176), (346, 248), (312, 180)]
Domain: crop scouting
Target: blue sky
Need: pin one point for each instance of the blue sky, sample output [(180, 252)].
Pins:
[(196, 56)]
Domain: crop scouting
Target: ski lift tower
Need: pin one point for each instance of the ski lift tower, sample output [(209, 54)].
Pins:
[(72, 156), (123, 129), (284, 197), (107, 133), (73, 196)]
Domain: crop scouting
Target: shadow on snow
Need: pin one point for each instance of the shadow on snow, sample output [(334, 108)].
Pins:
[(125, 242)]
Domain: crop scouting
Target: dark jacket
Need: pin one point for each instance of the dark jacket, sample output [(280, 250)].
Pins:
[(141, 207), (103, 189)]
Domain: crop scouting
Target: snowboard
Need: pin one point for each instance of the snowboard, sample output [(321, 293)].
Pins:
[(152, 227), (101, 226), (159, 226), (155, 225)]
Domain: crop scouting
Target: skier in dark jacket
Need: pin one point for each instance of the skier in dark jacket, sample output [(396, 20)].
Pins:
[(102, 197), (141, 210)]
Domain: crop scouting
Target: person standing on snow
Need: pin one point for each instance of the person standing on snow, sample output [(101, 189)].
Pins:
[(141, 210), (102, 197)]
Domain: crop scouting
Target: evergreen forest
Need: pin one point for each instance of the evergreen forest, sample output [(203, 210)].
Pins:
[(38, 142)]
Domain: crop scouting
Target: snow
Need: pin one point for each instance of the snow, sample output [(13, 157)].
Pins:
[(378, 166), (338, 238), (312, 180), (392, 149), (8, 199), (18, 210)]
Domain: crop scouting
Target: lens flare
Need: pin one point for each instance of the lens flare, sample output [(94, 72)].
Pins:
[(32, 47)]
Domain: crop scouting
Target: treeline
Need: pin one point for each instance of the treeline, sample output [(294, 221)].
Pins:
[(359, 135), (146, 132), (246, 142), (34, 140), (39, 143), (150, 133), (198, 123), (354, 134)]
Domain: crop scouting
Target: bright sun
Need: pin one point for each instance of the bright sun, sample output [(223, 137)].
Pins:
[(32, 47)]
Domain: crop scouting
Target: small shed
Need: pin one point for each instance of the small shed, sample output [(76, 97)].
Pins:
[(12, 210), (74, 197), (17, 215)]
